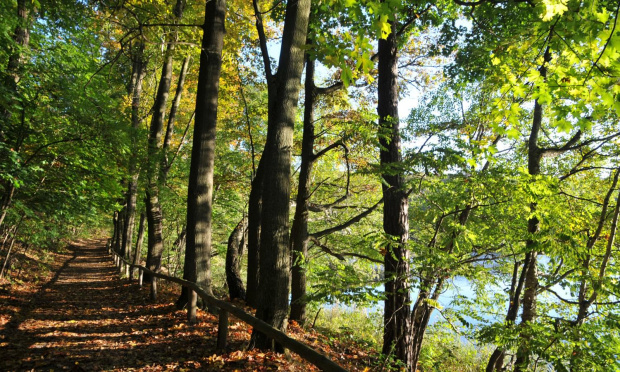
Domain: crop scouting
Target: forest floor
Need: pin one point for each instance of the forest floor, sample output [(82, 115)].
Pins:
[(84, 317)]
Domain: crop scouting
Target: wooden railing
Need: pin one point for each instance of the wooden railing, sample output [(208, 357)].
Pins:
[(304, 351)]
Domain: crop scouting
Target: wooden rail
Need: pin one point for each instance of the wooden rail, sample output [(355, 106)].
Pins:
[(305, 352)]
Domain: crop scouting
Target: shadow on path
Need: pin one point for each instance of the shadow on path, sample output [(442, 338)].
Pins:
[(86, 318)]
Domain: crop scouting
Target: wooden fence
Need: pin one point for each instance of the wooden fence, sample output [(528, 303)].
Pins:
[(304, 351)]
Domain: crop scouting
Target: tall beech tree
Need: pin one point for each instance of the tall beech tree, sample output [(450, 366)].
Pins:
[(299, 230), (284, 88), (139, 64), (153, 207), (397, 311), (197, 267)]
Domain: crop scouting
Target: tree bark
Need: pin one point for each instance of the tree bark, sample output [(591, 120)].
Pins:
[(421, 315), (7, 199), (299, 231), (21, 37), (154, 212), (116, 236), (236, 243), (138, 250), (274, 238), (118, 244), (496, 361), (135, 90), (534, 158), (197, 267), (397, 314), (166, 163), (255, 207)]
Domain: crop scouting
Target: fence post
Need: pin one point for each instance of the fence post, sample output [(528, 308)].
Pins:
[(222, 330), (127, 268), (191, 306), (153, 288), (140, 277)]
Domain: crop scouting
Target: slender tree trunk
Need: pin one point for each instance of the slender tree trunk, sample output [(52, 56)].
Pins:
[(172, 118), (254, 210), (528, 314), (197, 266), (138, 74), (140, 239), (180, 244), (21, 36), (255, 206), (154, 212), (6, 200), (236, 243), (431, 289), (119, 233), (7, 258), (275, 256), (397, 314), (299, 231), (421, 315), (496, 361), (116, 233), (589, 294)]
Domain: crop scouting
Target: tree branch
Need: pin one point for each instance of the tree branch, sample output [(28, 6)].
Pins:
[(330, 89), (346, 224), (262, 39), (341, 256)]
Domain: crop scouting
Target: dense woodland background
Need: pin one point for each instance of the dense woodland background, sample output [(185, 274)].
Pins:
[(444, 173)]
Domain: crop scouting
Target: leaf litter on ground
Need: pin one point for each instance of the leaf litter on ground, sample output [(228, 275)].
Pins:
[(83, 317)]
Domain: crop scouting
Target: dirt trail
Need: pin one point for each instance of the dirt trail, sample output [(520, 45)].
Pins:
[(87, 318)]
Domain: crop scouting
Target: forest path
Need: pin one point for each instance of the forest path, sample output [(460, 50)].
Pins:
[(87, 318)]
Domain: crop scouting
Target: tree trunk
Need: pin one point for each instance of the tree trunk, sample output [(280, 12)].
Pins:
[(397, 313), (275, 255), (138, 250), (299, 231), (172, 118), (421, 315), (21, 36), (137, 77), (6, 200), (255, 206), (116, 236), (496, 361), (236, 244), (119, 233), (528, 314), (154, 212), (7, 258), (197, 266)]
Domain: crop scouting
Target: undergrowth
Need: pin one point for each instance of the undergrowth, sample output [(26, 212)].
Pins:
[(442, 349)]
